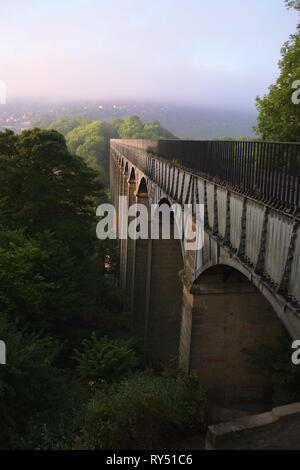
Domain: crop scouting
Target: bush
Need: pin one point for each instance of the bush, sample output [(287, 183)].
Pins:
[(36, 396), (144, 411), (275, 364), (105, 359)]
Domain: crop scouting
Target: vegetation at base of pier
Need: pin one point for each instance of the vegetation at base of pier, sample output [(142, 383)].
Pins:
[(70, 359), (144, 411), (105, 360), (274, 362)]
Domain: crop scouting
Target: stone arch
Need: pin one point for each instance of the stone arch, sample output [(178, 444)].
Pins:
[(132, 176), (227, 314), (142, 187), (263, 288)]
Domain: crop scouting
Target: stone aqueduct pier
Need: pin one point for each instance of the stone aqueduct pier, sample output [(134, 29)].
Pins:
[(243, 287)]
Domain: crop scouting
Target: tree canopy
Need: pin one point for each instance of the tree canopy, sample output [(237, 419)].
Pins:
[(293, 4), (92, 143), (279, 114), (51, 260), (90, 140), (64, 125)]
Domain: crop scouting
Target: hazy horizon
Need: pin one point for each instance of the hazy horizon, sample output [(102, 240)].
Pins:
[(173, 52)]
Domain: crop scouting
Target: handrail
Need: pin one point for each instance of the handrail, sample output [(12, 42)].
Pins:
[(267, 171)]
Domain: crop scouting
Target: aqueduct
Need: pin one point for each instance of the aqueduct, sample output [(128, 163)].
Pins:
[(242, 288)]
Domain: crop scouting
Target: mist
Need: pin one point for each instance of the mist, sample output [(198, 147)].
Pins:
[(209, 54)]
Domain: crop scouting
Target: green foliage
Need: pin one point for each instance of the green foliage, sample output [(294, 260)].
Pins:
[(279, 117), (37, 285), (57, 284), (64, 125), (144, 411), (293, 4), (54, 290), (54, 269), (274, 362), (31, 388), (154, 130), (41, 289), (90, 140), (117, 123), (133, 128), (92, 143), (43, 186), (105, 359)]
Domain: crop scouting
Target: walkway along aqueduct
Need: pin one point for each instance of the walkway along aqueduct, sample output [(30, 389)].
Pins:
[(242, 288)]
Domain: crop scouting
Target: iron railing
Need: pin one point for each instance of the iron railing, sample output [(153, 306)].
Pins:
[(267, 171)]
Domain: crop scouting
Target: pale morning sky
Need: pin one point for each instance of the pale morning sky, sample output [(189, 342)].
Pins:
[(212, 53)]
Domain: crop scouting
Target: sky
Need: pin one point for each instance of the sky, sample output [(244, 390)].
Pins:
[(219, 53)]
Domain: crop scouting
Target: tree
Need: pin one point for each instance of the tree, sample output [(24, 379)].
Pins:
[(63, 125), (144, 411), (40, 287), (131, 126), (44, 187), (33, 391), (91, 142), (117, 123), (51, 260), (53, 291), (279, 114), (105, 359), (293, 4), (153, 130)]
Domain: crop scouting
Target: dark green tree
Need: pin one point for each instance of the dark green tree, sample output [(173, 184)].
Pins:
[(44, 187), (52, 274), (36, 397), (105, 359)]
